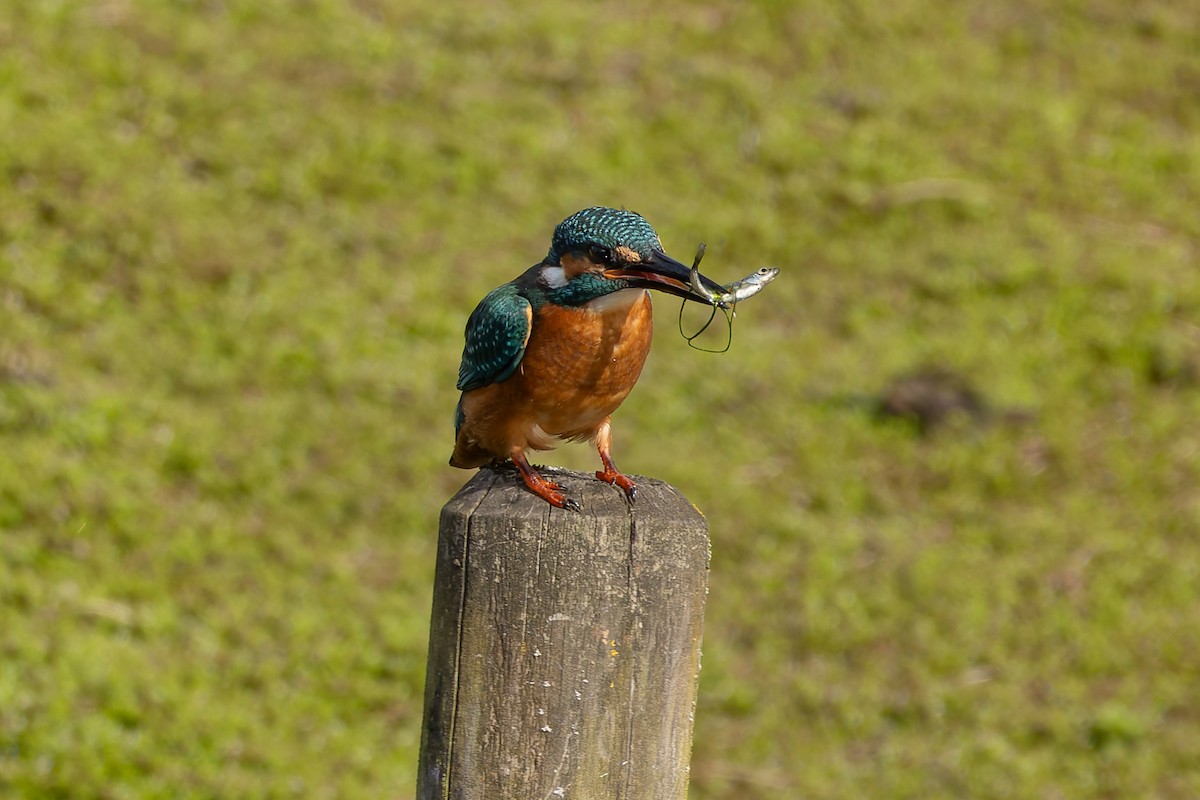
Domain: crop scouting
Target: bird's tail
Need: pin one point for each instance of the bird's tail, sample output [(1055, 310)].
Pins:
[(467, 453)]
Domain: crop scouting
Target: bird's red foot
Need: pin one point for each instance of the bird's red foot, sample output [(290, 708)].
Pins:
[(546, 489), (549, 491), (610, 475)]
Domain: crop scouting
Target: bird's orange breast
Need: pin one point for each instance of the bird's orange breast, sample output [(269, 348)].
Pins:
[(579, 365)]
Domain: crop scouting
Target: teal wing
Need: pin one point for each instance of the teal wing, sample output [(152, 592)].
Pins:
[(497, 332)]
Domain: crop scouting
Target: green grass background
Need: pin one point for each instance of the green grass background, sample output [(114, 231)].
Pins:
[(239, 241)]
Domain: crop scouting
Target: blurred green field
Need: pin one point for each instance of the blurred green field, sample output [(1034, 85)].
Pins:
[(238, 244)]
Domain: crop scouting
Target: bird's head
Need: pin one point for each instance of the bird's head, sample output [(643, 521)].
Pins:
[(610, 249)]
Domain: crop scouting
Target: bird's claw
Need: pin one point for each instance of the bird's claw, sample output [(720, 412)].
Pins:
[(623, 481), (549, 491), (543, 487)]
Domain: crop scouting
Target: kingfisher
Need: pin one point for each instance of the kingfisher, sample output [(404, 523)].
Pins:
[(550, 355)]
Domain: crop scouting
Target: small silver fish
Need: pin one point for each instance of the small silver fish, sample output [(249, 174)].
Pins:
[(737, 291), (750, 285)]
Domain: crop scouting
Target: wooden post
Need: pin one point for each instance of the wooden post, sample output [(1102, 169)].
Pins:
[(564, 647)]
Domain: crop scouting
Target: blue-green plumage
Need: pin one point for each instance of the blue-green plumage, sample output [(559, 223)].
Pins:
[(496, 333), (606, 227), (583, 289)]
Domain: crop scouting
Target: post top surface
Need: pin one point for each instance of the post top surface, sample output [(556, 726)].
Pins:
[(498, 491)]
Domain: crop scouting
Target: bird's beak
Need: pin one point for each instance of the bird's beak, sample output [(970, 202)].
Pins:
[(665, 274)]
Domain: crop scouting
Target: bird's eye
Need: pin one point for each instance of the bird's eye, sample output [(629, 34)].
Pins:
[(602, 255)]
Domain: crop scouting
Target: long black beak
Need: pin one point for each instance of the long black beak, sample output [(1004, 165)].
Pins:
[(665, 274)]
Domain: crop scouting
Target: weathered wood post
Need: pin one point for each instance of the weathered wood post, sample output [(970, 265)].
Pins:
[(564, 648)]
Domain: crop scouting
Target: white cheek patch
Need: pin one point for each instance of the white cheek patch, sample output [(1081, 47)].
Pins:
[(555, 277)]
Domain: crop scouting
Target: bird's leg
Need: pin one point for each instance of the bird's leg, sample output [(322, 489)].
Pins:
[(611, 474), (548, 490)]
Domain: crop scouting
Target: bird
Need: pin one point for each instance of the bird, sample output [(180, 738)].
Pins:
[(550, 355)]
